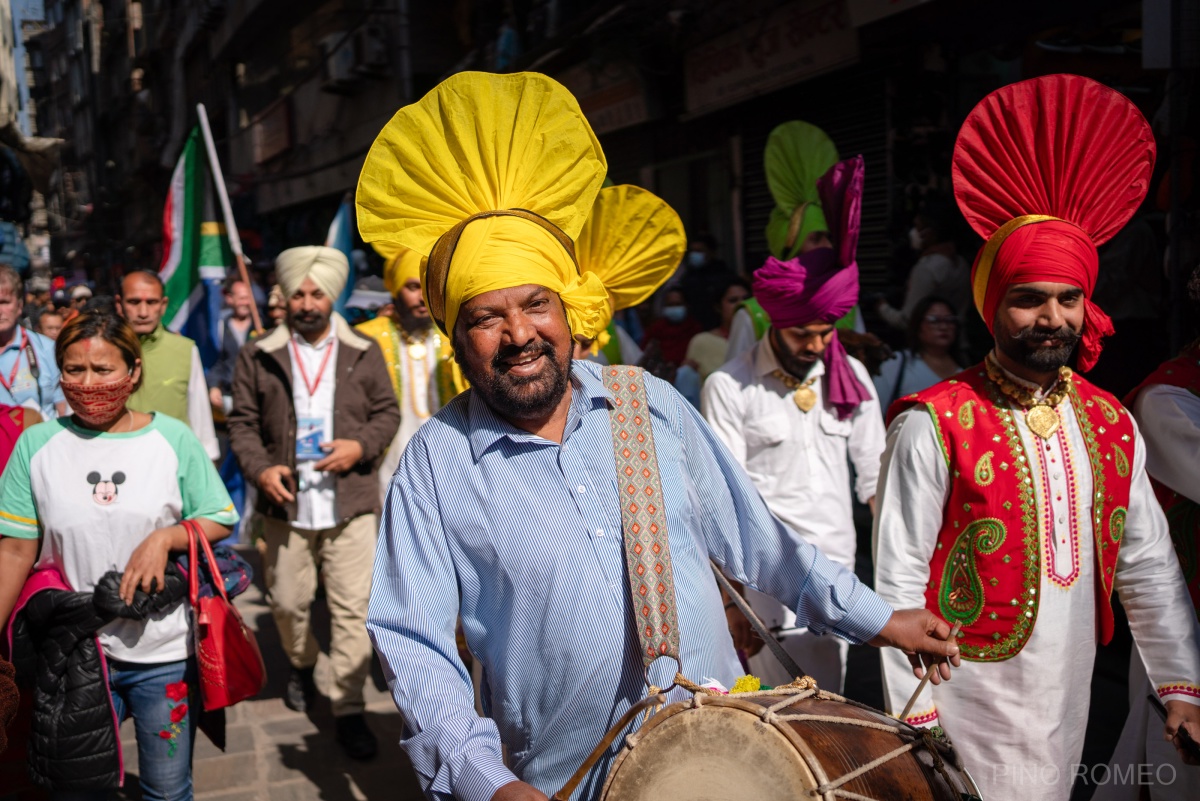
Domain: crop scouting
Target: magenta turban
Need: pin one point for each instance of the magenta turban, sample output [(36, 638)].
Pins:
[(821, 286)]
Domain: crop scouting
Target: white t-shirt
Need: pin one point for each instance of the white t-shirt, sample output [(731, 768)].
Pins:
[(94, 498)]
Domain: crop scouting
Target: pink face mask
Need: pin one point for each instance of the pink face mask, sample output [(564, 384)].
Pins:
[(97, 404)]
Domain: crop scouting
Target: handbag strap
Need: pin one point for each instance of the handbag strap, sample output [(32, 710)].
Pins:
[(197, 539), (643, 518), (899, 376)]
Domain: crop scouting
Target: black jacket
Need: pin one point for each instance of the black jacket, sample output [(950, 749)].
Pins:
[(74, 743)]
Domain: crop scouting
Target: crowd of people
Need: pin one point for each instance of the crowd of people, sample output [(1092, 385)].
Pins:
[(458, 448)]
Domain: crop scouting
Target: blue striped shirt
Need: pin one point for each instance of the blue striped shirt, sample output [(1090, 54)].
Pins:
[(522, 538)]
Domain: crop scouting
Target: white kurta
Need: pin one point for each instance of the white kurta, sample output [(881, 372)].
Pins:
[(800, 463), (418, 400), (1019, 724), (1169, 419)]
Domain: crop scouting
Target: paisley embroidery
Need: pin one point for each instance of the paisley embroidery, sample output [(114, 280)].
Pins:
[(984, 475), (966, 415), (1110, 413), (962, 591), (1116, 524), (1121, 461)]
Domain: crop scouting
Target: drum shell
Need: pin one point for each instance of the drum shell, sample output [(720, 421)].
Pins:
[(723, 749)]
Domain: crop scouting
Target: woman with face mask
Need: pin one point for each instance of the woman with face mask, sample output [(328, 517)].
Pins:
[(707, 350), (939, 270), (671, 332), (105, 489)]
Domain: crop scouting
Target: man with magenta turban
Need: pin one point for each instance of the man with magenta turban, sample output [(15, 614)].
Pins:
[(1014, 500), (796, 411)]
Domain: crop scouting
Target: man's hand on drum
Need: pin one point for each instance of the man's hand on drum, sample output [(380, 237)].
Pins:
[(1181, 714), (519, 791), (923, 636)]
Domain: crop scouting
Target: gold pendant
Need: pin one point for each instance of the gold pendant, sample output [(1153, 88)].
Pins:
[(417, 350), (805, 399), (1042, 420)]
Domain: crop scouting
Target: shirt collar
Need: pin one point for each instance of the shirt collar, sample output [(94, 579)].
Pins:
[(1034, 389), (154, 335), (766, 362), (485, 427), (17, 338)]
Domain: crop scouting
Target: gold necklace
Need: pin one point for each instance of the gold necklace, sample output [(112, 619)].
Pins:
[(1040, 415), (416, 351), (804, 397)]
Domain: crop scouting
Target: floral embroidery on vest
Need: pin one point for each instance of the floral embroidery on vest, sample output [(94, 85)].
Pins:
[(983, 470), (962, 591)]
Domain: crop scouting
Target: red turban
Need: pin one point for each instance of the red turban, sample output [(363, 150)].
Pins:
[(1046, 170)]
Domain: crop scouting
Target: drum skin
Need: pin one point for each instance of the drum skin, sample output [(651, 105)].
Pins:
[(722, 750)]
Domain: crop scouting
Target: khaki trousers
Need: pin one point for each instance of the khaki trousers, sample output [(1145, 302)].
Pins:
[(344, 555)]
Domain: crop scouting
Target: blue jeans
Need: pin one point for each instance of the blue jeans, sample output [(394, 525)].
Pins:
[(161, 700)]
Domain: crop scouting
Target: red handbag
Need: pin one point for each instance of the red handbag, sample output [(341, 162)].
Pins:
[(230, 664)]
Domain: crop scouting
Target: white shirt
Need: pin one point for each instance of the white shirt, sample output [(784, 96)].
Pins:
[(1169, 418), (418, 399), (799, 461), (199, 408), (1019, 724), (316, 503), (917, 376)]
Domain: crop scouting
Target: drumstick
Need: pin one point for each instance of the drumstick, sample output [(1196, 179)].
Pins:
[(928, 674)]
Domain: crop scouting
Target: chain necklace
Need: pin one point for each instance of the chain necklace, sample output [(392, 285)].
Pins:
[(804, 397), (1040, 415)]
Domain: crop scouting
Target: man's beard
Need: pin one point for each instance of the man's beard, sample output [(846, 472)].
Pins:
[(792, 364), (308, 322), (1022, 348), (521, 397), (410, 322)]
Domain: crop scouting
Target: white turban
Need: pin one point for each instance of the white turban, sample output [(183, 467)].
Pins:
[(327, 268)]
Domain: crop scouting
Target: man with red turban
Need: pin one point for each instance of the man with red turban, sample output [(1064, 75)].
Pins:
[(1014, 499), (796, 410)]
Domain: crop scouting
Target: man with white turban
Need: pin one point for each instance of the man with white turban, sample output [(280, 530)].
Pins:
[(313, 410)]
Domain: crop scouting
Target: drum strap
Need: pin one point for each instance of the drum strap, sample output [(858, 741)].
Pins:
[(643, 516)]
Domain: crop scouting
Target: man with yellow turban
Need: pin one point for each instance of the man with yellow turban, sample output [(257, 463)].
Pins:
[(633, 240), (313, 410), (505, 508), (414, 350)]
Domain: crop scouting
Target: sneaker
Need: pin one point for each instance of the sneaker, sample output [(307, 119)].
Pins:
[(300, 691), (357, 741)]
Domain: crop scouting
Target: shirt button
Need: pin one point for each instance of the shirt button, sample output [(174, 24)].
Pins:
[(1061, 520), (599, 532), (581, 488), (1057, 475)]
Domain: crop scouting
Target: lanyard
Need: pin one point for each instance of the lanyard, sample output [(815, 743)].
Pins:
[(12, 375), (311, 387)]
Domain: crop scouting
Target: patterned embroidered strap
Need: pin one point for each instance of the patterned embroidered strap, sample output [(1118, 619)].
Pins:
[(643, 518)]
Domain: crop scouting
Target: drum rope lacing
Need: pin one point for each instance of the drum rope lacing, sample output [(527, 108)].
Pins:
[(804, 688)]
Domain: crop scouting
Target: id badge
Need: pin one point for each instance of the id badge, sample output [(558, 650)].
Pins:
[(310, 433)]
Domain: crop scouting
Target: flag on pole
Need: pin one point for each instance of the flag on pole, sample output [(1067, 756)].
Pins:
[(196, 252), (340, 238)]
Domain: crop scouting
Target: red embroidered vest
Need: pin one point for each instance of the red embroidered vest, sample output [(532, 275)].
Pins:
[(986, 569), (1183, 514)]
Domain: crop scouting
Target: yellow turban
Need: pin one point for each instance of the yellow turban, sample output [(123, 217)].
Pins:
[(406, 265), (499, 172), (634, 241), (327, 267)]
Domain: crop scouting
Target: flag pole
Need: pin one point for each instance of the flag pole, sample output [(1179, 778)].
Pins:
[(231, 231)]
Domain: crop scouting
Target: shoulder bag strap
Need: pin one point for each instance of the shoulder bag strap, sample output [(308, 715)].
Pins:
[(643, 518), (899, 376)]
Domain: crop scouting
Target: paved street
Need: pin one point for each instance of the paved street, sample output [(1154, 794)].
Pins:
[(275, 754)]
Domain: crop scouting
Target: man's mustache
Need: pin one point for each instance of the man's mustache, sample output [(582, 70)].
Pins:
[(545, 347), (1065, 334)]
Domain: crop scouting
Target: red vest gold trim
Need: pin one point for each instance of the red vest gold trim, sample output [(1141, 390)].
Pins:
[(1183, 514), (986, 568)]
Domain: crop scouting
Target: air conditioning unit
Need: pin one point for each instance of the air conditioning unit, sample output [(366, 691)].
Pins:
[(338, 62), (371, 54)]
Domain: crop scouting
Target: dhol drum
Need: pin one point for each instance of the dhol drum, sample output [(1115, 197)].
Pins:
[(794, 742)]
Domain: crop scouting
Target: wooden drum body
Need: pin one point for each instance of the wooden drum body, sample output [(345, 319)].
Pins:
[(783, 745)]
